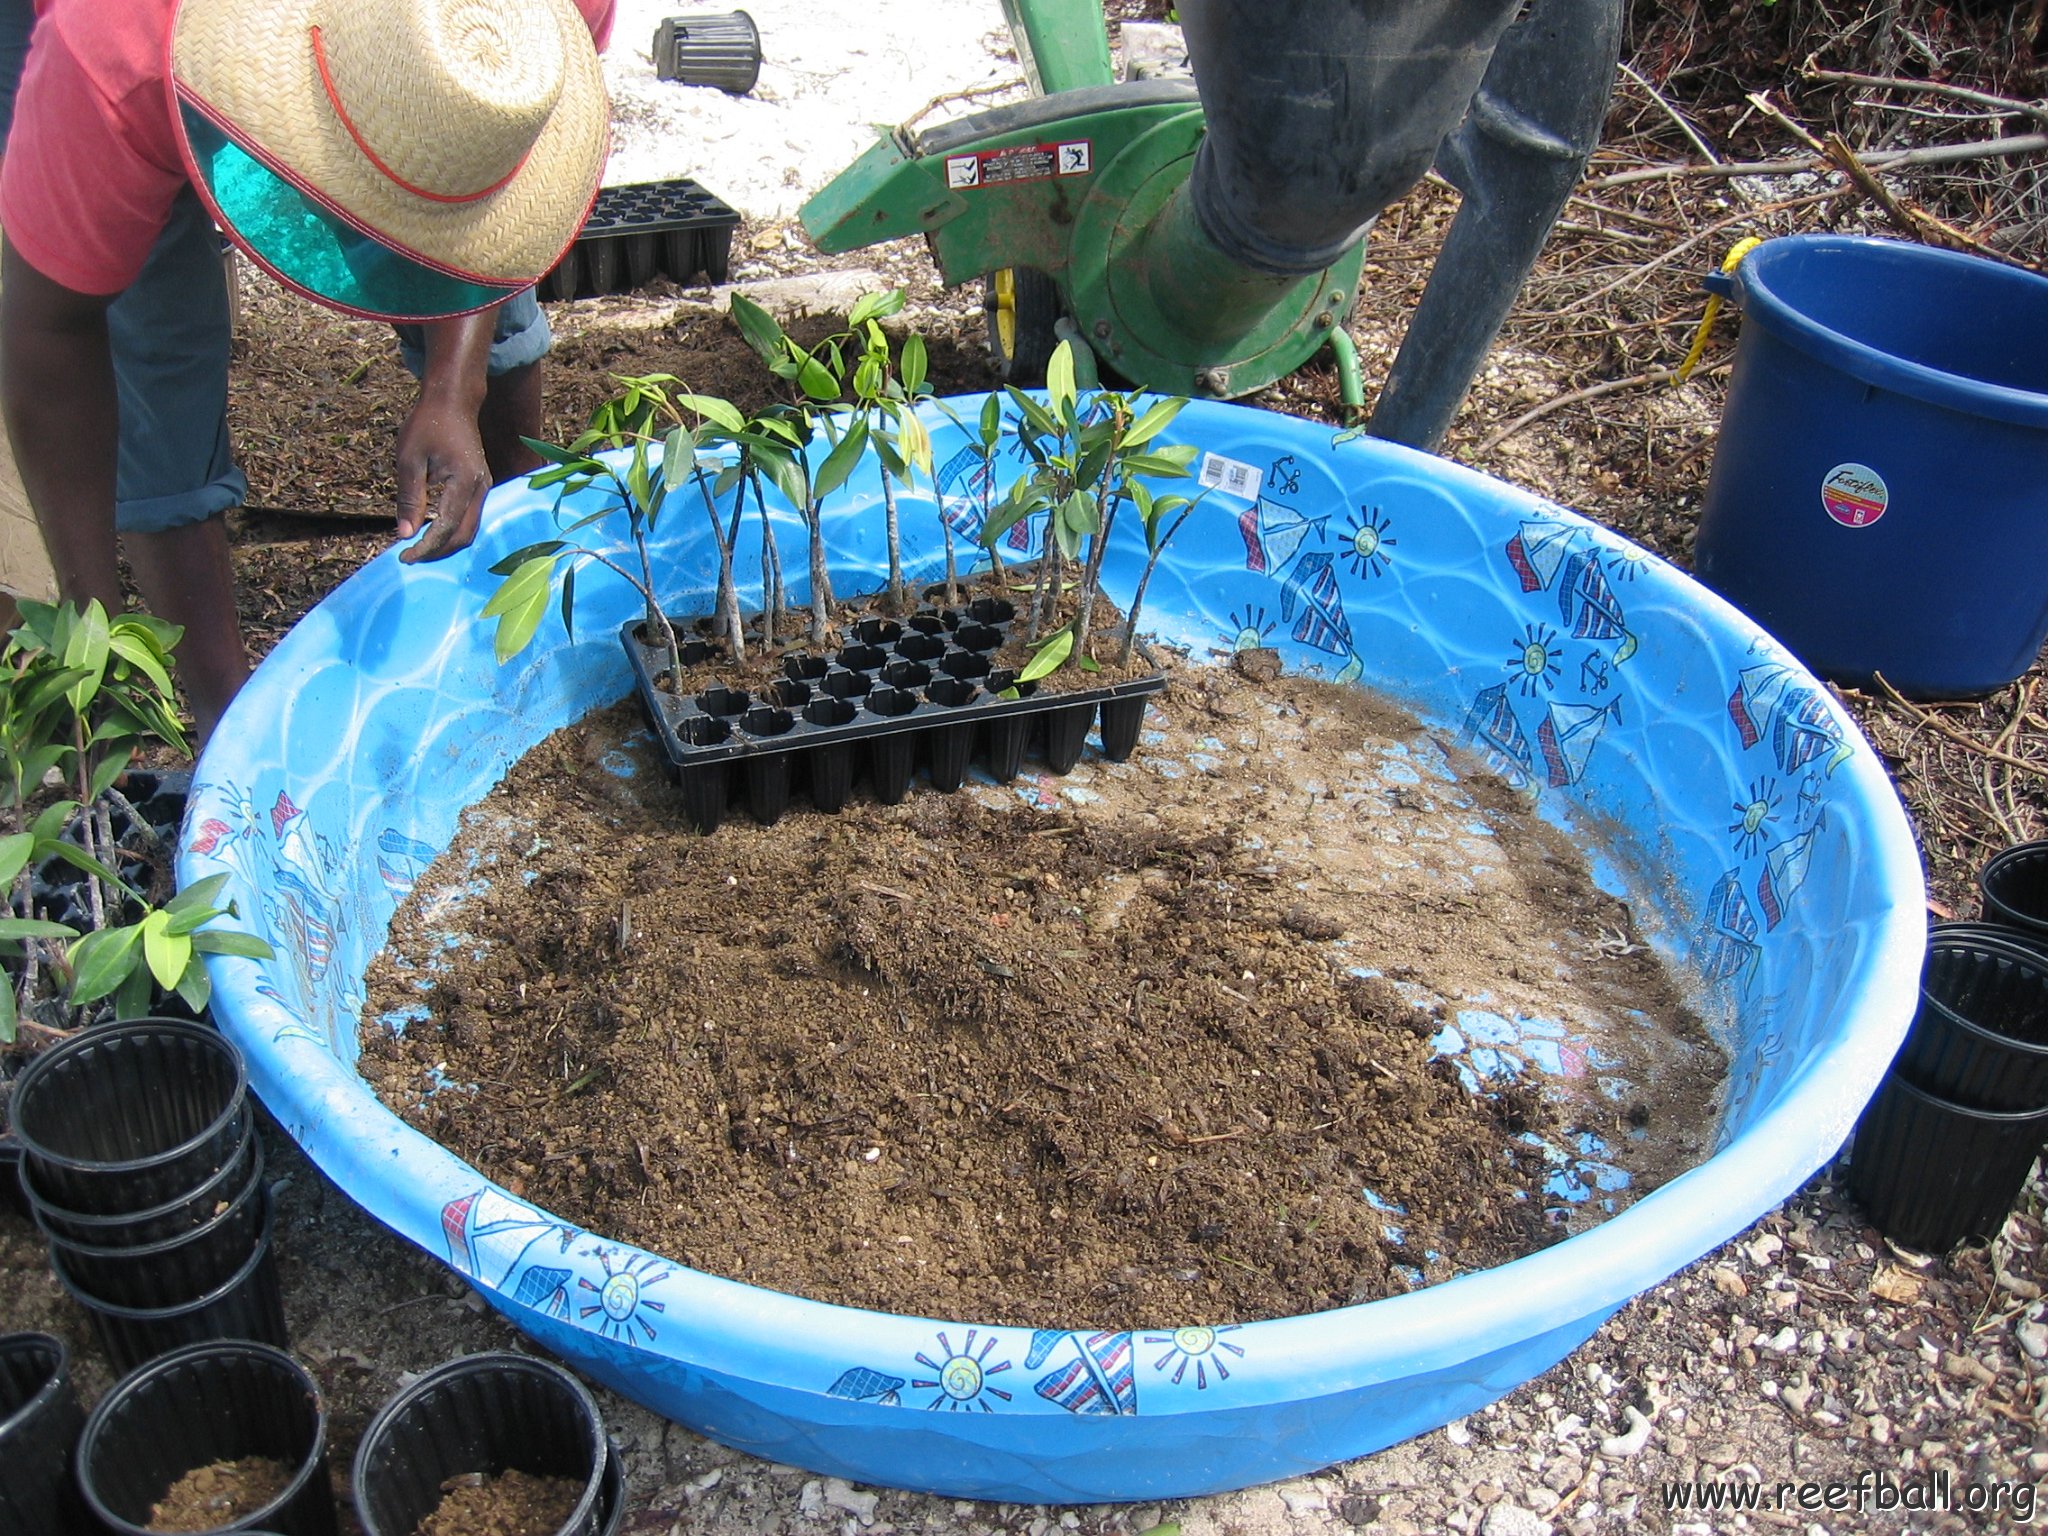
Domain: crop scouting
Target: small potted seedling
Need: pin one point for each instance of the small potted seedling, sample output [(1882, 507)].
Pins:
[(92, 927)]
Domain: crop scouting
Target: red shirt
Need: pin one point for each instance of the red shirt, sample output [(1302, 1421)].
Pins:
[(92, 163)]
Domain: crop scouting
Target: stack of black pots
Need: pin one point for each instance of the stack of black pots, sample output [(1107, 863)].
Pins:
[(141, 1166), (1945, 1146)]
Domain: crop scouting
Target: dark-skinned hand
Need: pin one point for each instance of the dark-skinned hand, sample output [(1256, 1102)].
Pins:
[(441, 456)]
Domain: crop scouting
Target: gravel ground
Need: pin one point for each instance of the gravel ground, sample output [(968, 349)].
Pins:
[(1806, 1352)]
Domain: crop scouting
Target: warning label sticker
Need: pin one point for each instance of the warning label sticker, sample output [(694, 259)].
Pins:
[(1022, 162), (1854, 495)]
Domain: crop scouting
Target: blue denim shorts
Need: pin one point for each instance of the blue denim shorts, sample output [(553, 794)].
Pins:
[(170, 334), (522, 337)]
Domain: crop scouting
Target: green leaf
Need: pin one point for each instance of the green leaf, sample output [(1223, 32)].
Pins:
[(49, 688), (14, 854), (785, 472), (569, 602), (50, 820), (757, 326), (519, 557), (867, 378), (78, 858), (1036, 416), (991, 421), (513, 592), (110, 768), (874, 306), (1079, 514), (636, 476), (1052, 651), (136, 993), (1160, 466), (34, 928), (1059, 380), (101, 961), (912, 363), (167, 953), (517, 626), (841, 462), (816, 380), (229, 941), (7, 1014), (195, 987), (722, 413), (917, 442), (196, 901), (141, 654), (519, 605), (1156, 419), (678, 457), (551, 453), (1017, 503)]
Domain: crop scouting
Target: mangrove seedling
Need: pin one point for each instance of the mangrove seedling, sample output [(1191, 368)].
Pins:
[(80, 693), (1089, 456)]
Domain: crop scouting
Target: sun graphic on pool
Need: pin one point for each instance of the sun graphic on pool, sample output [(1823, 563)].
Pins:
[(621, 1302), (962, 1375), (1202, 1348)]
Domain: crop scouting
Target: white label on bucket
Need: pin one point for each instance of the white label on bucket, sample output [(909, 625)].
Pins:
[(1854, 494), (1233, 477)]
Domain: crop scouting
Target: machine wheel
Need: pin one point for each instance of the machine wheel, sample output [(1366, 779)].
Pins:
[(1022, 305)]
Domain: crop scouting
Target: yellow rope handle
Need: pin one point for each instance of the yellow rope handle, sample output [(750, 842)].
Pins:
[(1699, 337)]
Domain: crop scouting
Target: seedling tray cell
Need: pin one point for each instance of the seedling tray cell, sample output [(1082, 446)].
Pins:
[(634, 233), (922, 690)]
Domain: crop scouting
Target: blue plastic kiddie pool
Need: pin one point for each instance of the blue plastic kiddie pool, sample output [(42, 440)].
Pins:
[(1759, 844)]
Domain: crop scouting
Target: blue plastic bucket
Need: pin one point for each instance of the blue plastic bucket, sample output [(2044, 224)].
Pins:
[(1879, 497)]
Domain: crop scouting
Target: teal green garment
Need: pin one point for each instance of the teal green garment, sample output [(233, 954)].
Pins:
[(316, 251)]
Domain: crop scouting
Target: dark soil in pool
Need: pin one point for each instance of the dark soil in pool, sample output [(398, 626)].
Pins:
[(1020, 1059)]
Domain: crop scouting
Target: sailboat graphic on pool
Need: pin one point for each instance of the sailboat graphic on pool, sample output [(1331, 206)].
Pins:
[(1568, 735), (1273, 535)]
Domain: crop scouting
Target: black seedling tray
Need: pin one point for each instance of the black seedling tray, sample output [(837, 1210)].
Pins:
[(922, 689), (671, 228)]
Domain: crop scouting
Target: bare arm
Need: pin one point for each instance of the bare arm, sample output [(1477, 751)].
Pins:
[(439, 445), (57, 392)]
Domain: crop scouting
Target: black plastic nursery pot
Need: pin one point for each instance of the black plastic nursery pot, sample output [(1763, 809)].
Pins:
[(40, 1419), (124, 1117), (175, 1270), (1932, 1173), (2014, 885), (1980, 1034), (611, 1493), (210, 1403), (163, 1223), (13, 1197), (922, 690), (722, 51), (633, 234), (488, 1414), (249, 1304)]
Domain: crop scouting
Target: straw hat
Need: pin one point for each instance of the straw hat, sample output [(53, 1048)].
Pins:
[(399, 158)]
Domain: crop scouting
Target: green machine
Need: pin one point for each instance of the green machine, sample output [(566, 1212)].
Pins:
[(1206, 237)]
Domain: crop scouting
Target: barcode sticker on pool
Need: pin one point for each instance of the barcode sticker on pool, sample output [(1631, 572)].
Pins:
[(1231, 476)]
